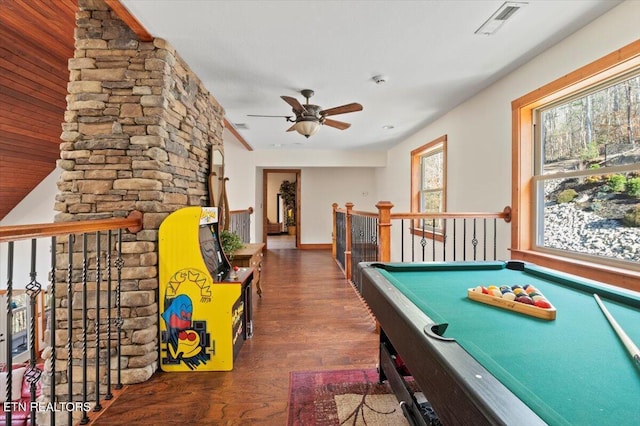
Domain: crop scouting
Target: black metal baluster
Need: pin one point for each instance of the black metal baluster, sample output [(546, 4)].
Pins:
[(355, 246), (464, 239), (9, 328), (495, 239), (366, 238), (444, 240), (454, 240), (98, 407), (374, 239), (32, 375), (413, 246), (402, 238), (109, 395), (119, 321), (433, 240), (70, 328), (52, 328), (474, 241), (484, 239), (85, 418), (423, 240)]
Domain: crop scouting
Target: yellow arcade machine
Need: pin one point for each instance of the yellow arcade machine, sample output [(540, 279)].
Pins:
[(205, 305)]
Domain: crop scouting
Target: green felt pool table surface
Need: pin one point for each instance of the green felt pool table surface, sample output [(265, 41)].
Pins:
[(571, 370)]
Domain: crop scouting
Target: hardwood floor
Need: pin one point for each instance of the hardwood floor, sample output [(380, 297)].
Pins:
[(281, 241), (309, 318)]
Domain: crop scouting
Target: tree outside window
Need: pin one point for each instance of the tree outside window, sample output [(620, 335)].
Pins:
[(428, 186)]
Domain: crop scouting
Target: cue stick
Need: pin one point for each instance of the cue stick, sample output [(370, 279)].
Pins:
[(626, 340)]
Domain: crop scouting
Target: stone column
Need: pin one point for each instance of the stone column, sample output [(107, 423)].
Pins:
[(137, 135)]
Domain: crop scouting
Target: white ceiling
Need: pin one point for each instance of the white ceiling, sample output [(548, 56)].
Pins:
[(249, 53)]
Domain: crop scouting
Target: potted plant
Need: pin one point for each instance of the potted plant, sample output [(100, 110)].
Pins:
[(288, 194), (231, 242)]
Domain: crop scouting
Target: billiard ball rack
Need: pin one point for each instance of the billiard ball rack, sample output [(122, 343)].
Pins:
[(512, 305)]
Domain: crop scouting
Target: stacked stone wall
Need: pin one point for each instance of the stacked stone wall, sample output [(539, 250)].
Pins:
[(137, 135)]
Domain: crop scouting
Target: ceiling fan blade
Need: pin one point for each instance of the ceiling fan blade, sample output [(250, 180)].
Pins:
[(343, 109), (287, 117), (337, 124), (297, 106)]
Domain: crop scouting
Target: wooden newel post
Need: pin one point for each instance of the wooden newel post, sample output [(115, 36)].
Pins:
[(384, 230), (334, 231), (347, 252)]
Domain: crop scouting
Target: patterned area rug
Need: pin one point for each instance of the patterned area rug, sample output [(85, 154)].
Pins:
[(341, 397)]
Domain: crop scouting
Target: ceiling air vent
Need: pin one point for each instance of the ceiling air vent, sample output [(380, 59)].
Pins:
[(499, 17)]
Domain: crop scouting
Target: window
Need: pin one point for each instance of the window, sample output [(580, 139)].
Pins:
[(429, 185), (587, 173), (576, 187)]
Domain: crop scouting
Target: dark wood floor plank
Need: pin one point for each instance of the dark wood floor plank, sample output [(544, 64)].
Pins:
[(309, 318)]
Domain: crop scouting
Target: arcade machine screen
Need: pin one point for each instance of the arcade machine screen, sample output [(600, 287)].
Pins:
[(212, 253)]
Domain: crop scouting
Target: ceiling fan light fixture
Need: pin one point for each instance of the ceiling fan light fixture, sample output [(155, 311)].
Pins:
[(307, 127)]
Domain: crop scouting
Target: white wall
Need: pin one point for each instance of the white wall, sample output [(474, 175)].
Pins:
[(37, 207), (323, 186), (479, 130)]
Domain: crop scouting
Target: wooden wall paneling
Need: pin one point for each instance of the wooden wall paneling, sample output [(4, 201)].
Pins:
[(37, 43), (31, 50), (21, 18)]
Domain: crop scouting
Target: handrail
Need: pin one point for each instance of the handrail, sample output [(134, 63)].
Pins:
[(505, 214), (365, 214), (247, 210), (133, 223)]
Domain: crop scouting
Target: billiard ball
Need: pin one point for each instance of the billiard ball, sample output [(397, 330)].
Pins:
[(524, 299), (481, 289), (541, 303), (509, 296)]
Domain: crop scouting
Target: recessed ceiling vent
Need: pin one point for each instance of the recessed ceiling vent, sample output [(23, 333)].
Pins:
[(499, 17)]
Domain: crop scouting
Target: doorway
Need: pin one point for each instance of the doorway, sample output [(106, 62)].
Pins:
[(281, 218)]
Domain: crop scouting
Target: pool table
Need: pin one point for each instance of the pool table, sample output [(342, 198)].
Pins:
[(480, 364)]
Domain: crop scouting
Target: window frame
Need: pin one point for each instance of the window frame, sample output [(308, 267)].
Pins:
[(435, 146), (523, 236)]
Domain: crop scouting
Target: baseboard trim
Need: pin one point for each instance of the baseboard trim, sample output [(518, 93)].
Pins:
[(315, 246)]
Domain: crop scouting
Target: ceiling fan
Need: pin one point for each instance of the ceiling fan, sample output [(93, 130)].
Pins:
[(309, 118)]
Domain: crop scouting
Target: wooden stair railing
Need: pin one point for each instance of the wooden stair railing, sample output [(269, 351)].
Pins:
[(73, 234), (240, 223), (133, 223), (385, 236)]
